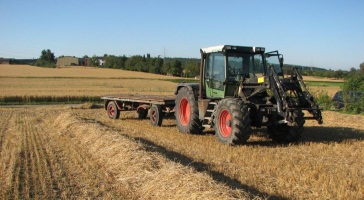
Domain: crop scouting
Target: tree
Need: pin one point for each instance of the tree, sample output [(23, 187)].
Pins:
[(362, 66), (94, 61), (155, 65), (46, 59), (176, 68), (115, 62), (352, 102), (191, 68), (166, 67), (134, 63)]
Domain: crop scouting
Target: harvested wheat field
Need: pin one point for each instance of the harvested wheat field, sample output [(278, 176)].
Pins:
[(31, 81), (49, 153), (64, 152)]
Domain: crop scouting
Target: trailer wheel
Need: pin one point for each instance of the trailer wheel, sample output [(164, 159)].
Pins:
[(156, 115), (187, 116), (284, 133), (232, 122), (112, 110), (141, 113)]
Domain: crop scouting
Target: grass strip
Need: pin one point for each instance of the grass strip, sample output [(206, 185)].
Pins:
[(323, 83)]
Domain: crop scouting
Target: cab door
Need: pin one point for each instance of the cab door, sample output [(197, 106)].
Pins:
[(214, 76)]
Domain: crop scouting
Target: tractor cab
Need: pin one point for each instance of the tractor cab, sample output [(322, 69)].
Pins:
[(224, 67)]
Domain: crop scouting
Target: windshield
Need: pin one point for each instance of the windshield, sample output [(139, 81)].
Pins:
[(245, 65)]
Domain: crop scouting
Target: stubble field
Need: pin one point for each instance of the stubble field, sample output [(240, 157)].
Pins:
[(77, 152)]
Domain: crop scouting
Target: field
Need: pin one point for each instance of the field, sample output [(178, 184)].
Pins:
[(23, 80), (75, 151), (26, 82)]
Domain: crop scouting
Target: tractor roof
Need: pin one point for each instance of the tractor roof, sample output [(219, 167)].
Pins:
[(242, 49)]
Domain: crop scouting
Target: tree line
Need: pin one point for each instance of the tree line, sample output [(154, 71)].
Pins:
[(186, 67), (324, 73)]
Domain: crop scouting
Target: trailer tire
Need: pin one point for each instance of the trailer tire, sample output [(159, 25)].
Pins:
[(141, 113), (187, 115), (112, 110), (284, 133), (232, 122), (156, 115)]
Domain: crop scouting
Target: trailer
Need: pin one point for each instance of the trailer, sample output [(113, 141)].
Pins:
[(157, 106)]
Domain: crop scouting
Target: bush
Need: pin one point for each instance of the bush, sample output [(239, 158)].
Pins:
[(42, 63), (355, 107), (323, 99), (353, 104)]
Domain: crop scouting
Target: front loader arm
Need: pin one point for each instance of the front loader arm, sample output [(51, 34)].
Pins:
[(292, 94), (312, 106), (277, 89)]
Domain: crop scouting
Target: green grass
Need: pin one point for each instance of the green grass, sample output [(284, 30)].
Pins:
[(323, 83)]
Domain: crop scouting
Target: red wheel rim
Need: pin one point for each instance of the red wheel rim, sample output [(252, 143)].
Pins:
[(111, 111), (184, 111), (154, 115), (225, 123)]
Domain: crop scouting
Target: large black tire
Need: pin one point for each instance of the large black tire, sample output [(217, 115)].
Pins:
[(232, 122), (112, 110), (156, 115), (284, 133), (187, 116)]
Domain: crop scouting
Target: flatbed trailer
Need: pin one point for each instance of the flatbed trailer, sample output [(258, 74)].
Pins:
[(157, 106)]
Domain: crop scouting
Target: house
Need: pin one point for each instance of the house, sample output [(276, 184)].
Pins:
[(101, 61), (68, 61), (5, 61), (87, 61)]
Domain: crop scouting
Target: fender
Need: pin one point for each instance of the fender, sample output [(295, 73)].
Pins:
[(195, 87)]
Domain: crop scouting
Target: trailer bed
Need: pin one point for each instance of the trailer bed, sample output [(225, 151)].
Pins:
[(157, 106), (146, 99)]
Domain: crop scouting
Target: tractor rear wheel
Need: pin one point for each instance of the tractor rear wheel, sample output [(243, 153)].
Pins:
[(112, 110), (232, 122), (284, 133), (156, 115), (187, 116)]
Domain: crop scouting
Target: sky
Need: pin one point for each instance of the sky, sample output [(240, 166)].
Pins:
[(320, 33)]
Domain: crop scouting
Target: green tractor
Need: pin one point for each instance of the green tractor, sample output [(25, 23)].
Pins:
[(242, 87)]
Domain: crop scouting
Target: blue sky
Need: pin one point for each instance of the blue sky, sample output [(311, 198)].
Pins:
[(321, 33)]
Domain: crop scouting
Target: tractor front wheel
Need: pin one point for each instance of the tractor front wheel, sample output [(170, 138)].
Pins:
[(232, 122), (284, 133)]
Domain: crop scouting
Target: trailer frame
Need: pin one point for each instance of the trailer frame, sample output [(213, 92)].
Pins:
[(156, 106)]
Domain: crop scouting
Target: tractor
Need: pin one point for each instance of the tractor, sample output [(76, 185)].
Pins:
[(241, 87)]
